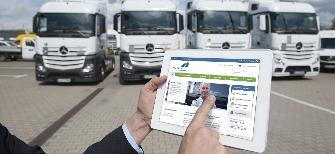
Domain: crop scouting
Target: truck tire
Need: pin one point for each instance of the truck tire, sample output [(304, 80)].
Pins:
[(113, 65), (102, 73), (14, 58), (121, 80), (3, 57)]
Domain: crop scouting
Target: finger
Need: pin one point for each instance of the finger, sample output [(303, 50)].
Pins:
[(215, 135), (202, 112), (154, 83)]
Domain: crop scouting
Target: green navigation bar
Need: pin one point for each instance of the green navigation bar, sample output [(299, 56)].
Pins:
[(216, 77)]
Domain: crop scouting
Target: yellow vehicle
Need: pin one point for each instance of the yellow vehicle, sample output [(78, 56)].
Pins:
[(21, 37)]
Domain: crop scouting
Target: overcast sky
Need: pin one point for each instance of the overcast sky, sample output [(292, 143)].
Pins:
[(18, 14)]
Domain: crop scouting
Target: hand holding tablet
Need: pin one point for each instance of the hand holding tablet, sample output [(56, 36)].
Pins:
[(240, 115)]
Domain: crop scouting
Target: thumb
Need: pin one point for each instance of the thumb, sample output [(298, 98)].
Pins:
[(202, 112)]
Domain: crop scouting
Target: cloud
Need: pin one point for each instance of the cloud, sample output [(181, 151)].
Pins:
[(16, 14)]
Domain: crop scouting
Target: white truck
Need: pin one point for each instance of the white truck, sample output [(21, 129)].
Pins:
[(72, 43), (10, 50), (218, 24), (290, 29), (327, 52), (147, 28)]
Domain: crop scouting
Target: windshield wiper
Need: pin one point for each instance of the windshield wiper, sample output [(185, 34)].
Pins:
[(75, 31), (160, 28)]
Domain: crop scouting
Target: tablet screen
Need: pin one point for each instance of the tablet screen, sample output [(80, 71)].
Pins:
[(232, 81)]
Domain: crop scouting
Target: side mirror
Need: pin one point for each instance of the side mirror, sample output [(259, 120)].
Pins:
[(35, 22), (116, 22), (194, 22), (318, 22), (180, 22), (262, 22)]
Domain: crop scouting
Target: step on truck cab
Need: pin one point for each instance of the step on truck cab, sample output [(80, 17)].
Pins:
[(147, 29), (72, 43), (290, 29), (218, 24), (327, 52)]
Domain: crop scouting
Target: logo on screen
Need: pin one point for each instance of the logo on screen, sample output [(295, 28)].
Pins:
[(185, 64)]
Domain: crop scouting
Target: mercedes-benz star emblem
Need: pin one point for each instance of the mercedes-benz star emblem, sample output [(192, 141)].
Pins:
[(150, 47), (299, 45), (225, 45), (63, 50)]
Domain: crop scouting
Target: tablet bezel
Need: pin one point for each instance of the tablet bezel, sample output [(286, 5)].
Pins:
[(259, 140)]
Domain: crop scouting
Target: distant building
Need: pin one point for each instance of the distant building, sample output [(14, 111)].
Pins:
[(10, 34), (113, 40)]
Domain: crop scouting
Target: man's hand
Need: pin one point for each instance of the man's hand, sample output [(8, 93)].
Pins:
[(139, 123), (198, 138)]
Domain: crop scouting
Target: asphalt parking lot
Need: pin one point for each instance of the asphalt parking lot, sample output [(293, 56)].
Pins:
[(302, 114)]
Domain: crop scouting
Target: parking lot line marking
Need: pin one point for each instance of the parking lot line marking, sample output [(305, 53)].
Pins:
[(303, 102), (54, 127), (21, 76), (18, 68), (14, 76)]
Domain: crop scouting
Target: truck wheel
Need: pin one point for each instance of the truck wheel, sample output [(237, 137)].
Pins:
[(113, 65), (14, 58), (3, 57), (102, 73), (122, 81)]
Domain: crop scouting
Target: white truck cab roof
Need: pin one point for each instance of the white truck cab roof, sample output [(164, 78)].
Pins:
[(149, 5), (282, 6), (220, 5), (74, 6)]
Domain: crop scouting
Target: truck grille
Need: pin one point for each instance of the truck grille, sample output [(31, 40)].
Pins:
[(298, 55), (327, 58), (147, 59), (64, 62), (139, 56)]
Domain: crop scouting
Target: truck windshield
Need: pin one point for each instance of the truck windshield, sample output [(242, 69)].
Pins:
[(149, 23), (328, 43), (222, 22), (64, 25), (294, 23)]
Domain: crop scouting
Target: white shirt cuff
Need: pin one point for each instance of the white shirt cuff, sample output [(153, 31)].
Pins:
[(131, 140)]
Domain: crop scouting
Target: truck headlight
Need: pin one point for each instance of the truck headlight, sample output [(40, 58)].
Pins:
[(127, 65), (317, 59), (41, 68), (278, 59), (88, 68), (45, 50)]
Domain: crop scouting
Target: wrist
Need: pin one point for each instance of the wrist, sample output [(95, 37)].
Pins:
[(138, 127)]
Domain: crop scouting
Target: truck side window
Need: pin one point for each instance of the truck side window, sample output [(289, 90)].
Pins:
[(189, 21), (30, 43), (101, 24), (2, 44)]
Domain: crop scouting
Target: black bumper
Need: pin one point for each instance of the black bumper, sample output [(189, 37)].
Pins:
[(137, 72), (71, 75), (74, 75)]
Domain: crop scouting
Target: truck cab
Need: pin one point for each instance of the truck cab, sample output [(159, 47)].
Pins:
[(327, 52), (290, 29), (218, 24), (146, 29), (72, 42)]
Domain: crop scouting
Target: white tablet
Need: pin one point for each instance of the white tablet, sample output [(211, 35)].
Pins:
[(239, 79)]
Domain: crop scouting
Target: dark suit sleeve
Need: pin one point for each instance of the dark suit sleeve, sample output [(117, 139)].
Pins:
[(113, 143), (10, 144)]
